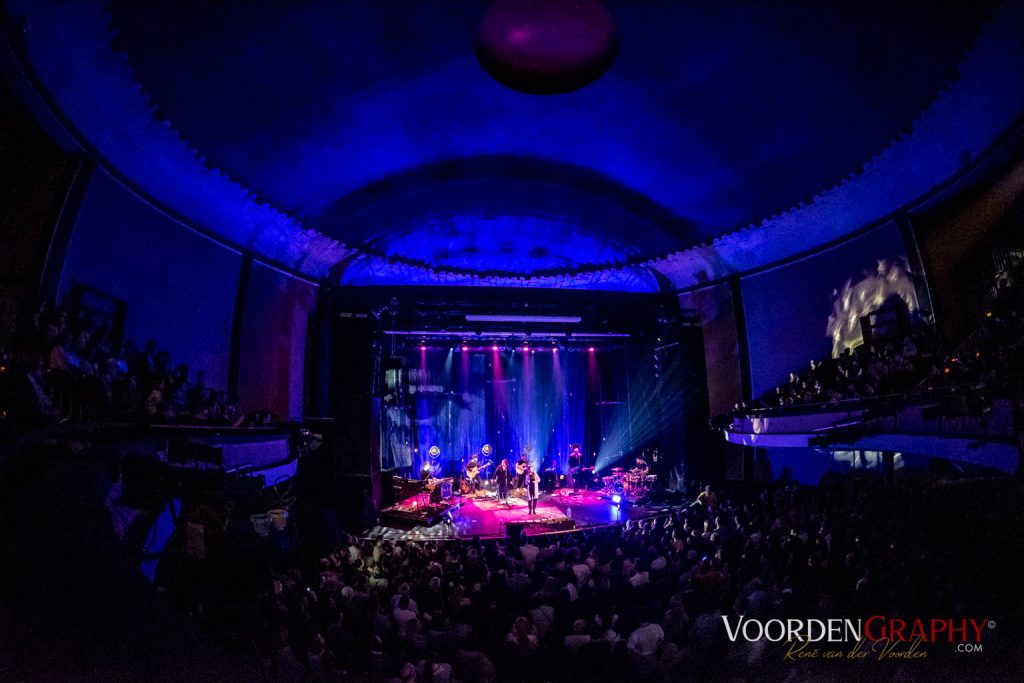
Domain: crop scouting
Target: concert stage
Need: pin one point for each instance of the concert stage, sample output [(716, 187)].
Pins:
[(486, 517)]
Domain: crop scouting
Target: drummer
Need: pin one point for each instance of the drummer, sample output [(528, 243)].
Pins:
[(642, 468)]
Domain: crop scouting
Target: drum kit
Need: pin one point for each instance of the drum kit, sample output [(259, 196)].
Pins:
[(632, 485)]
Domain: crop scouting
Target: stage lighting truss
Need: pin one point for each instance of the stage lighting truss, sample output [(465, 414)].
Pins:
[(509, 341)]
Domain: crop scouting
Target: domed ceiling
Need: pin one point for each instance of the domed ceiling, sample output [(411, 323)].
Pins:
[(374, 141)]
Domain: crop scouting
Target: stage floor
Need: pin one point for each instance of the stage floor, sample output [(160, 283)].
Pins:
[(484, 516)]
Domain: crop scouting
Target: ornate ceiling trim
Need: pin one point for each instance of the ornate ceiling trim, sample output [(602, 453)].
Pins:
[(980, 106)]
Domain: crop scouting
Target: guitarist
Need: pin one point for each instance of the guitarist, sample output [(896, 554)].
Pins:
[(473, 474), (473, 468), (576, 466), (521, 467)]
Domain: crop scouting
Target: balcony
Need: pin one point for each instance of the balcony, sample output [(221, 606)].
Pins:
[(954, 425)]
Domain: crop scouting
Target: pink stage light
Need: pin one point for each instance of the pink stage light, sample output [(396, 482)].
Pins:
[(494, 348), (591, 349), (526, 348)]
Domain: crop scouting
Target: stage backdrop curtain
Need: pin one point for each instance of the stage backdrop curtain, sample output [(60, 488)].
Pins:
[(461, 400)]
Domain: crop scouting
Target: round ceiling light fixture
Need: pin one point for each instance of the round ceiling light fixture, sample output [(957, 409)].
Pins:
[(546, 47)]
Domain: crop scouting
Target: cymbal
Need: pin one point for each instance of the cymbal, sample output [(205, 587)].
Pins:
[(616, 469)]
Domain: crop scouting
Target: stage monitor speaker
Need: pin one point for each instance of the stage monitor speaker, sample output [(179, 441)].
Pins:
[(342, 476), (354, 405), (703, 456), (315, 475)]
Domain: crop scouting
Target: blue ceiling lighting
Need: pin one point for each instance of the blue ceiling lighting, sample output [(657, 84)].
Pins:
[(367, 143)]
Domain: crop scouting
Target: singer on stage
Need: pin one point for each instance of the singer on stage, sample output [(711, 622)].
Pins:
[(532, 489), (503, 478)]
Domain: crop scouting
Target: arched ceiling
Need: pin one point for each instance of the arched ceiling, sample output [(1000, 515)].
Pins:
[(369, 135)]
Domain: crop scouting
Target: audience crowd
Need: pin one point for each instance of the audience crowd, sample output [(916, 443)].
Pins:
[(876, 369), (988, 359), (73, 368), (641, 601)]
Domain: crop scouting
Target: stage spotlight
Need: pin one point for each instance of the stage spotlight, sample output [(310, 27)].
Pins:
[(494, 348), (526, 347), (591, 349)]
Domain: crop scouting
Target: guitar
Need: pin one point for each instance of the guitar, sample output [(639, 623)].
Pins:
[(473, 470)]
